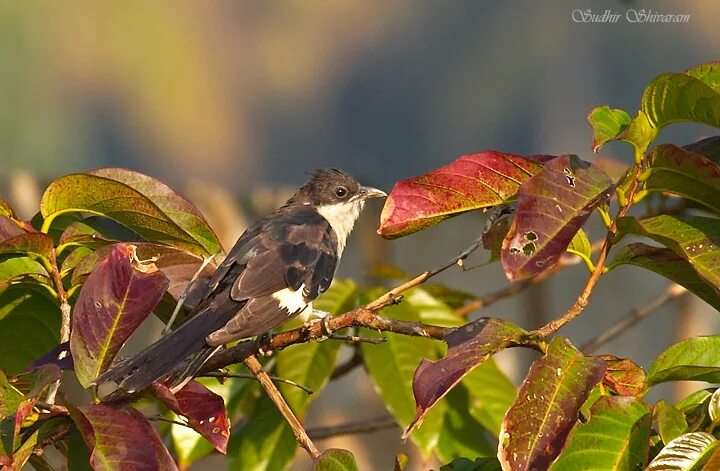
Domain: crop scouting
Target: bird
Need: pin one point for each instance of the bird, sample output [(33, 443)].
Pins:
[(277, 267)]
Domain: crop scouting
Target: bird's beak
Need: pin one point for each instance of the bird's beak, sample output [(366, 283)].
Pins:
[(369, 192)]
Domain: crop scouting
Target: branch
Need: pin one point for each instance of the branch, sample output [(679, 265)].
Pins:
[(582, 300), (364, 426), (672, 292), (65, 320), (300, 435), (365, 316)]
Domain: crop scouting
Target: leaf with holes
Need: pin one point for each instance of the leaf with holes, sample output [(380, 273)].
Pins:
[(693, 359), (334, 459), (552, 206), (668, 264), (143, 204), (469, 346), (121, 439), (473, 181), (616, 437), (204, 410), (116, 298), (696, 239), (547, 406), (686, 452), (676, 170)]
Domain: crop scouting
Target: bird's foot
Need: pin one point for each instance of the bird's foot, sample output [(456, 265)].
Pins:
[(263, 342), (323, 318)]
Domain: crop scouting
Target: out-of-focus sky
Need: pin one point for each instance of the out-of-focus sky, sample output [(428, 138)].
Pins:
[(237, 93)]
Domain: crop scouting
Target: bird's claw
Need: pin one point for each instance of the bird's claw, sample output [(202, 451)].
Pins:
[(262, 341), (324, 321)]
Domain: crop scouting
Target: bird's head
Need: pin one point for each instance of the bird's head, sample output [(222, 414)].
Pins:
[(338, 197), (330, 187)]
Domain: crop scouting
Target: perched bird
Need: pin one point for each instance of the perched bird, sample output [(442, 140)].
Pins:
[(278, 266)]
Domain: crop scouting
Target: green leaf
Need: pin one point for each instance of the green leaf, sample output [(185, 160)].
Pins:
[(491, 395), (607, 125), (480, 464), (671, 422), (391, 365), (143, 204), (462, 434), (693, 359), (696, 239), (22, 270), (714, 406), (615, 437), (266, 442), (547, 406), (10, 397), (687, 452), (666, 263), (29, 326), (692, 95), (673, 169), (335, 459)]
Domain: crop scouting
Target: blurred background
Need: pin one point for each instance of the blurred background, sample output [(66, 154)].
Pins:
[(232, 102)]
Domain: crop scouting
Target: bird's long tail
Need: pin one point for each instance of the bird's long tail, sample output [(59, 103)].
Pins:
[(167, 357)]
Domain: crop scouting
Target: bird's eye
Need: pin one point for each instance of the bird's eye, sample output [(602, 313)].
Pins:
[(341, 192)]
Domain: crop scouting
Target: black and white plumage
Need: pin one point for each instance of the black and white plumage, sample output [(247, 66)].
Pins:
[(278, 266)]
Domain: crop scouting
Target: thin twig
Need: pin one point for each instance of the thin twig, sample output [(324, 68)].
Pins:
[(217, 374), (300, 435), (365, 426), (184, 295), (160, 418), (582, 299), (672, 292)]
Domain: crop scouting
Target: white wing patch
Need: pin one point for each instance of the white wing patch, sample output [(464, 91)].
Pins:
[(292, 301)]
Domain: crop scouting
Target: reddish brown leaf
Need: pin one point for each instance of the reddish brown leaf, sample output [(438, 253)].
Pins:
[(473, 181), (8, 228), (35, 243), (623, 376), (113, 302), (176, 264), (121, 439), (204, 410), (552, 206), (547, 406), (469, 346)]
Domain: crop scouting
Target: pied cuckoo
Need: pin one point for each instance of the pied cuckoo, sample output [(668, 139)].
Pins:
[(278, 266)]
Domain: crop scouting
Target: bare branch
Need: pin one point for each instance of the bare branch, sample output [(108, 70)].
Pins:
[(672, 292), (300, 435)]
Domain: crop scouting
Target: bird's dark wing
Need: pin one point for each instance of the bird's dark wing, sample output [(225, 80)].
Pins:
[(296, 248)]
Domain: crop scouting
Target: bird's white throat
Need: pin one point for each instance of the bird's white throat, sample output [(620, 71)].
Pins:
[(342, 217)]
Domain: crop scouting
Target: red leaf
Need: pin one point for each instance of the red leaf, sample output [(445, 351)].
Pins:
[(121, 439), (552, 206), (204, 410), (473, 181), (469, 346), (547, 405), (113, 302)]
